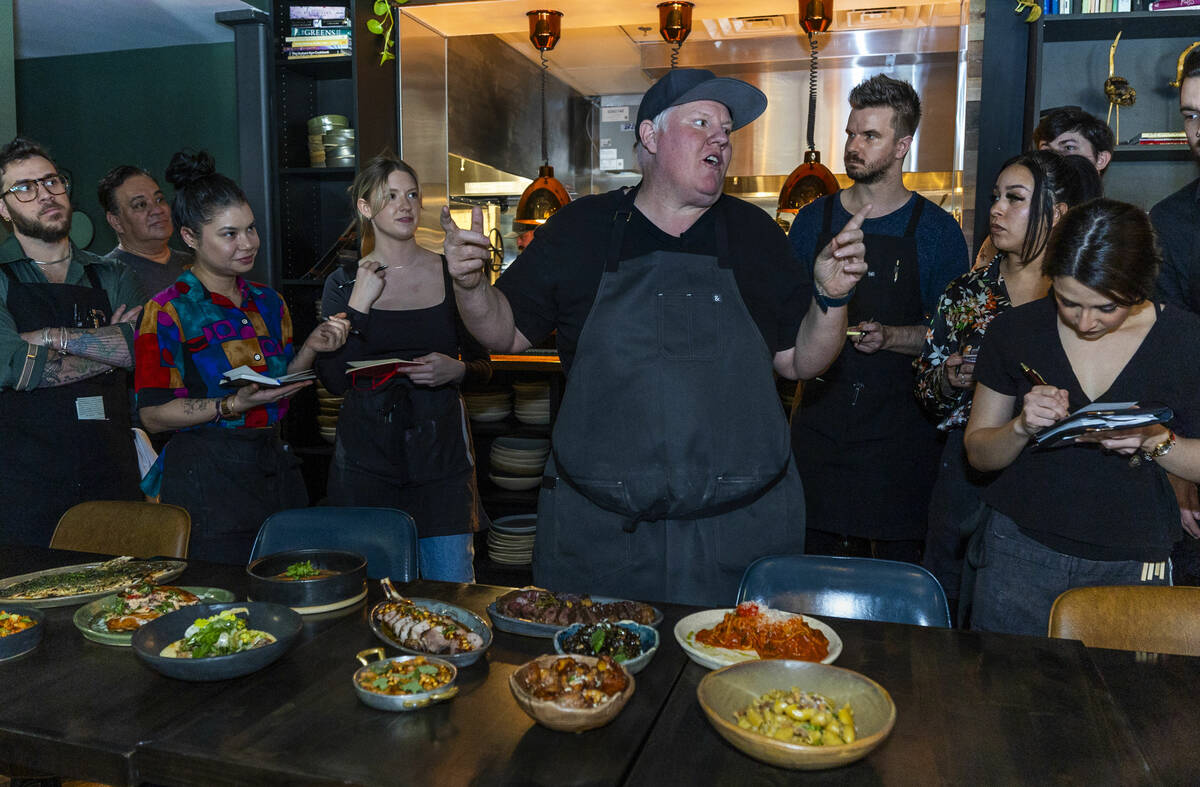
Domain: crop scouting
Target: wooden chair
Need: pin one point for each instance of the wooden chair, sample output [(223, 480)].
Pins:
[(1151, 618), (124, 527), (859, 588)]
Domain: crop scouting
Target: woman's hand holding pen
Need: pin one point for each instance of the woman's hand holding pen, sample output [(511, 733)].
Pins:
[(1043, 406), (368, 285), (329, 335), (959, 373)]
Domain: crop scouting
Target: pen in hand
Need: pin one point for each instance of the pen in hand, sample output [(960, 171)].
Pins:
[(1032, 376), (348, 283)]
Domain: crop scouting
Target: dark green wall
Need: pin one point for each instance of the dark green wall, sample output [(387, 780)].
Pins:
[(138, 107)]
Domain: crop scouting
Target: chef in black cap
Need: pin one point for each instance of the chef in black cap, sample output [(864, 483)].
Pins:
[(671, 469)]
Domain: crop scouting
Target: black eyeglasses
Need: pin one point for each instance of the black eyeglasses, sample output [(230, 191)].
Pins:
[(27, 190)]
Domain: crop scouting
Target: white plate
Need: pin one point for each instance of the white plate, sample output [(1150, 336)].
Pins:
[(520, 561), (715, 658), (516, 483), (512, 442), (534, 420), (488, 417)]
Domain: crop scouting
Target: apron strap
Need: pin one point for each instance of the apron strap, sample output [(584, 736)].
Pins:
[(915, 218), (93, 276), (655, 515), (621, 219), (827, 215)]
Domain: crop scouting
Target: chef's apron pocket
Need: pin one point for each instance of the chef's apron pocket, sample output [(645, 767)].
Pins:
[(690, 326), (583, 541)]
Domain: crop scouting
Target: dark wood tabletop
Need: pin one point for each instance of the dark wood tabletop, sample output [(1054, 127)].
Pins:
[(971, 708)]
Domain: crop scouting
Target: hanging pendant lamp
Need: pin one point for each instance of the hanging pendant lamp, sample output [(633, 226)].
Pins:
[(545, 195), (812, 179), (674, 24)]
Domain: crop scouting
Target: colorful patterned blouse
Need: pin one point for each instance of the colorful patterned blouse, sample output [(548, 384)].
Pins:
[(189, 337), (964, 311)]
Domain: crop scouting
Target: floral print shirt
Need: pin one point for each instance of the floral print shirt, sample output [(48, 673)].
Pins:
[(964, 311)]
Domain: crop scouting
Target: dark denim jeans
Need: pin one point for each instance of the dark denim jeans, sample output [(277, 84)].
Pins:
[(1019, 579)]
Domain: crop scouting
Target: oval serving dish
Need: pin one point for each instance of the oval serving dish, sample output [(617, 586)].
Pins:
[(277, 620), (400, 702), (345, 587), (465, 617)]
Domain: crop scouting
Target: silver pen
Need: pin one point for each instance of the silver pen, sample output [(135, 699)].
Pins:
[(348, 283)]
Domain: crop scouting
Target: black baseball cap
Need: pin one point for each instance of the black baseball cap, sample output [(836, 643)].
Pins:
[(744, 101)]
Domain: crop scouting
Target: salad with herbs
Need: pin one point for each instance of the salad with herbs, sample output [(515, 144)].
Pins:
[(597, 639), (221, 635)]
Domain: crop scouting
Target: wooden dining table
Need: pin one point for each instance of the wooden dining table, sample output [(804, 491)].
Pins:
[(971, 708)]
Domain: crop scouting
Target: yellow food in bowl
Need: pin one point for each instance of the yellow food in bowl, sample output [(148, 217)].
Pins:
[(796, 716)]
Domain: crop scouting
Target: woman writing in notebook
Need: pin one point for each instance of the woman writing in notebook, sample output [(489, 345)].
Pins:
[(225, 463), (403, 439), (1100, 511)]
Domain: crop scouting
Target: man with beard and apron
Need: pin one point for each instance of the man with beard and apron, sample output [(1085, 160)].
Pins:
[(670, 469), (65, 348), (866, 450)]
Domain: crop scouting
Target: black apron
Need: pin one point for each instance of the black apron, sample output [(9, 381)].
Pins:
[(865, 449), (52, 458), (671, 469)]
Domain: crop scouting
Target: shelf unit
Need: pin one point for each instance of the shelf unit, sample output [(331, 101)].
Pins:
[(1068, 63)]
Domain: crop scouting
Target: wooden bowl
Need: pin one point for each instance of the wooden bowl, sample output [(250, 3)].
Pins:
[(556, 717), (733, 688)]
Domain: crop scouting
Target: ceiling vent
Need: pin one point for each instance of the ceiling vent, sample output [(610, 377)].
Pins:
[(878, 18), (748, 26)]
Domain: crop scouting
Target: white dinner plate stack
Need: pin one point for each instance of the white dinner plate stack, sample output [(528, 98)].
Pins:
[(327, 415), (533, 402), (488, 406), (517, 462), (510, 541)]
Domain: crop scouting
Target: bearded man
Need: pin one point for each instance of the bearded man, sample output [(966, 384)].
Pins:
[(66, 336), (866, 452)]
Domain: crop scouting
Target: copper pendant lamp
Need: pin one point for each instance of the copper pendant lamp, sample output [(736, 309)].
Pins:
[(674, 25), (545, 195), (812, 179)]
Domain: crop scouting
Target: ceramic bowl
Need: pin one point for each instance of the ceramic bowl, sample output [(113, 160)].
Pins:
[(647, 634), (401, 702), (730, 689), (275, 619), (22, 642), (343, 588), (556, 717)]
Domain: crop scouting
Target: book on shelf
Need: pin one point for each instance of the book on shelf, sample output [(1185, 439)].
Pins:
[(318, 32), (308, 43), (1160, 138), (1101, 417), (316, 54), (1174, 5), (244, 375), (318, 13)]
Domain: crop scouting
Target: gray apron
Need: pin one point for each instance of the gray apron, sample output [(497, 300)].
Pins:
[(671, 467)]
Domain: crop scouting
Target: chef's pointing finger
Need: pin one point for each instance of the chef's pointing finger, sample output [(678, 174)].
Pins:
[(448, 225)]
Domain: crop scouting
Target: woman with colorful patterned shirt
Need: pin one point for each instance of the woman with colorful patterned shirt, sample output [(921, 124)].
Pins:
[(225, 463), (1032, 192)]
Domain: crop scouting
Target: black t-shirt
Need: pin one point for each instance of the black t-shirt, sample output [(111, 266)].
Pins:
[(1078, 499), (554, 281)]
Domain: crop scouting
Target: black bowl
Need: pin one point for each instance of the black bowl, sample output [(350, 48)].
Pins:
[(309, 595), (275, 619), (23, 641)]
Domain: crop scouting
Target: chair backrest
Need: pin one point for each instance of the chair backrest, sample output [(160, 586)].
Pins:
[(1153, 618), (124, 527), (847, 587), (386, 537)]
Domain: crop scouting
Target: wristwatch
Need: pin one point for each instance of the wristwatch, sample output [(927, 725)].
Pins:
[(1157, 452), (826, 303), (227, 412)]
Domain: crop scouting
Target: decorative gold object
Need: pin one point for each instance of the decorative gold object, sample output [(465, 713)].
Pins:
[(674, 24), (1118, 90), (1031, 9), (1179, 66)]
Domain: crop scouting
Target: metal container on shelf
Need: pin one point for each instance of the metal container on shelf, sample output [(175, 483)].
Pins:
[(340, 161), (323, 123)]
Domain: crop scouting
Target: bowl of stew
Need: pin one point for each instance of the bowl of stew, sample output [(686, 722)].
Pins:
[(309, 580)]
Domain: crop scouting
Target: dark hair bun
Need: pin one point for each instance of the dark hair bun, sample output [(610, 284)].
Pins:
[(188, 166)]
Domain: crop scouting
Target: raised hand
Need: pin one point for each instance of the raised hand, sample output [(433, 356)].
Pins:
[(368, 284), (842, 262), (467, 251)]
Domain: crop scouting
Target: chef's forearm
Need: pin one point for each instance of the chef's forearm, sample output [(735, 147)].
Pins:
[(821, 337), (488, 316), (904, 339)]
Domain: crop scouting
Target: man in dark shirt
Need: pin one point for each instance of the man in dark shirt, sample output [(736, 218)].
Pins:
[(674, 303), (1069, 131), (138, 212), (1176, 221)]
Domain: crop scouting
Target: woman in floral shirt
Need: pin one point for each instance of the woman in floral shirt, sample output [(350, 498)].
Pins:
[(1033, 191)]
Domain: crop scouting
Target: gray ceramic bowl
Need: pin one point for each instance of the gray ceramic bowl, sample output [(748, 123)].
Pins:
[(401, 701), (23, 641), (309, 595), (647, 634), (277, 620)]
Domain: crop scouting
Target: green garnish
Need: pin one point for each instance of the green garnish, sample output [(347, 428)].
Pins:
[(598, 640), (301, 570)]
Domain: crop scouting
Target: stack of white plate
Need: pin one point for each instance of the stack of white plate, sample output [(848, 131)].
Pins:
[(533, 402), (517, 462), (327, 415), (488, 406), (510, 541)]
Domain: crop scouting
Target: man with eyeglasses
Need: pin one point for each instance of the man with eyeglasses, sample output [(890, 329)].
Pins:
[(139, 213), (67, 321)]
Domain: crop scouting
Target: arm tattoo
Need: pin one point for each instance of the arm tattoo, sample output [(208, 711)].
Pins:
[(68, 369), (106, 345)]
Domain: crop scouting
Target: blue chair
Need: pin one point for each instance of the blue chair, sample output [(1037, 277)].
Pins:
[(858, 588), (386, 537)]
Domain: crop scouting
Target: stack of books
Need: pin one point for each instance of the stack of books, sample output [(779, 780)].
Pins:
[(1062, 7), (317, 31), (1160, 138)]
